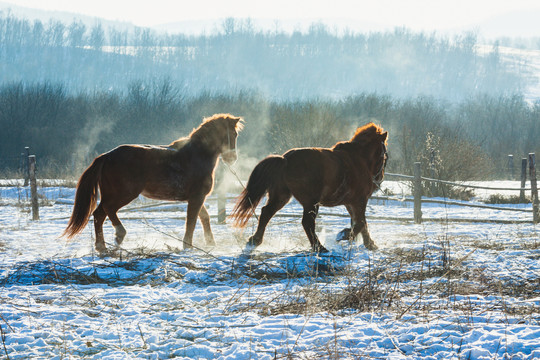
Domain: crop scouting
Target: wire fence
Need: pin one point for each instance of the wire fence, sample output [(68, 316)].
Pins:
[(417, 198)]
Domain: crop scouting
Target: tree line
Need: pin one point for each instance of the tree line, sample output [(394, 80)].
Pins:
[(300, 65), (469, 139)]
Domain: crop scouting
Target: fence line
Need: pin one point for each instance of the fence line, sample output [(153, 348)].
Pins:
[(408, 177), (417, 193), (446, 202), (417, 190)]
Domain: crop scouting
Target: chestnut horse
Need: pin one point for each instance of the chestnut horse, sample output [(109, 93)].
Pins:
[(346, 174), (180, 171)]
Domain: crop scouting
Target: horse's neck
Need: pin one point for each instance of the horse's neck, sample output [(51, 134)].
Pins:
[(180, 143), (195, 145), (208, 141), (356, 151), (200, 152)]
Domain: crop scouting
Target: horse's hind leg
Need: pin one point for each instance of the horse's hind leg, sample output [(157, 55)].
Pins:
[(99, 218), (205, 220), (119, 230), (277, 199), (111, 203), (308, 222)]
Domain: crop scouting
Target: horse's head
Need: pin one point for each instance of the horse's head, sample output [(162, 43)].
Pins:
[(383, 156), (232, 125), (375, 140), (218, 134)]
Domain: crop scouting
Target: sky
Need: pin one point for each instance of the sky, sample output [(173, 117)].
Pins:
[(414, 14)]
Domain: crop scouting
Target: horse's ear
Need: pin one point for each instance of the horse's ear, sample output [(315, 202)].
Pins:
[(239, 123), (384, 135)]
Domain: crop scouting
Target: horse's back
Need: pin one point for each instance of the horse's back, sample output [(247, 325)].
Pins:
[(303, 162), (139, 155), (129, 168)]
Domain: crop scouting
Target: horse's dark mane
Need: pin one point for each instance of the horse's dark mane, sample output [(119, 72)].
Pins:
[(346, 145), (367, 131)]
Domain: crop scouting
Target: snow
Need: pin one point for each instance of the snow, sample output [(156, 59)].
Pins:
[(440, 289)]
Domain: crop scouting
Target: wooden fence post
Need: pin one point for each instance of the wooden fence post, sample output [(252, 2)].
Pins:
[(221, 204), (33, 186), (417, 190), (534, 188), (523, 180), (27, 166), (221, 197), (511, 173)]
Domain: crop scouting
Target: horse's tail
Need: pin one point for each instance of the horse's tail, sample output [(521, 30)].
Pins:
[(264, 175), (85, 198)]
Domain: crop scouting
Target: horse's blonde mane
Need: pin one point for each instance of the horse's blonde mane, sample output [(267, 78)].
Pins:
[(239, 121), (207, 130)]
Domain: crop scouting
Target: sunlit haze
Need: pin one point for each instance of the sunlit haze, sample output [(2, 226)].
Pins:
[(415, 14)]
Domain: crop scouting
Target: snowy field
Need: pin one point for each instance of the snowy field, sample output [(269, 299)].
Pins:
[(442, 289)]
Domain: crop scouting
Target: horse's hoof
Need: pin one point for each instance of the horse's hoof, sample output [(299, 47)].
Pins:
[(254, 242), (210, 242), (101, 249), (344, 234), (371, 246), (248, 249), (104, 253), (320, 249)]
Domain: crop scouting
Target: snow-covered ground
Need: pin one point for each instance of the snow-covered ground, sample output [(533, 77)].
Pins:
[(440, 289)]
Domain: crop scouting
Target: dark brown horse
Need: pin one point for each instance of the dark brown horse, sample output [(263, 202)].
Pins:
[(181, 171), (346, 174)]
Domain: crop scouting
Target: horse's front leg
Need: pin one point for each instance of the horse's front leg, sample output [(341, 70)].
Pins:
[(205, 220), (359, 224), (308, 222), (193, 209)]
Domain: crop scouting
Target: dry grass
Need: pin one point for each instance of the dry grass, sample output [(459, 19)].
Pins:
[(506, 199), (398, 282), (401, 273)]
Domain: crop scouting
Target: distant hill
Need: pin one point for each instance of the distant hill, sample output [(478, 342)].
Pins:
[(65, 17), (510, 25), (263, 55), (209, 26)]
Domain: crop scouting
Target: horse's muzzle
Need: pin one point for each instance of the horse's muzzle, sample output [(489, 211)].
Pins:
[(229, 157)]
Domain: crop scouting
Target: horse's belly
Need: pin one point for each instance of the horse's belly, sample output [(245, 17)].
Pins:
[(334, 195), (163, 196), (164, 192), (331, 202)]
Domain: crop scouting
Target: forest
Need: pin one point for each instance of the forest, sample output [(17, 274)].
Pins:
[(316, 63), (70, 92)]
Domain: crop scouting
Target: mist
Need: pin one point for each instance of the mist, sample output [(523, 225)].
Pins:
[(72, 91), (316, 63)]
